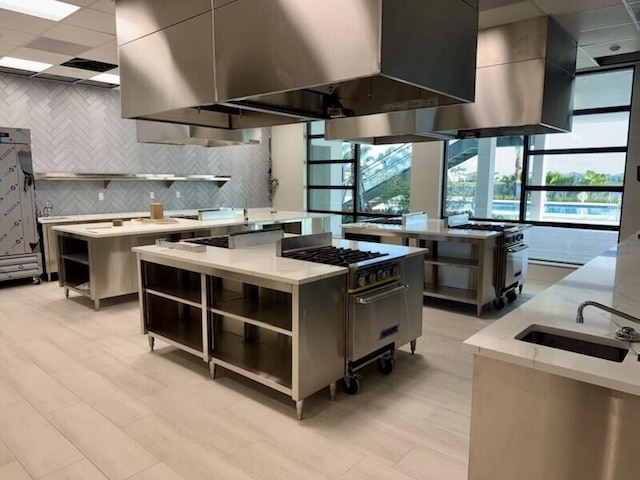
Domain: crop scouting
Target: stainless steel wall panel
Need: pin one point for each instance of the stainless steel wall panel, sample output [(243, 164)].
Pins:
[(176, 75), (137, 18)]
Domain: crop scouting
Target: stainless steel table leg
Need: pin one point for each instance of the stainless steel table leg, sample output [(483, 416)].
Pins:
[(299, 408), (413, 346), (66, 293), (96, 305), (332, 390), (212, 369), (152, 341)]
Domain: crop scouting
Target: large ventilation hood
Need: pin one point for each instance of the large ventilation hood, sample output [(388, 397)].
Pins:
[(177, 134), (247, 63), (524, 85)]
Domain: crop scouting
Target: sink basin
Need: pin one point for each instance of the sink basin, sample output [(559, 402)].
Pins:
[(582, 344)]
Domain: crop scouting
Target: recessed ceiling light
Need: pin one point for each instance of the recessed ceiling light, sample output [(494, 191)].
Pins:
[(49, 9), (107, 78), (22, 64)]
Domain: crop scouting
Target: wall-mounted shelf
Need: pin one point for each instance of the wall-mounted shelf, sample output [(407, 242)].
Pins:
[(107, 178)]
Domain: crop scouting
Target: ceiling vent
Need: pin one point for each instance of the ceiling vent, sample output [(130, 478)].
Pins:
[(86, 64)]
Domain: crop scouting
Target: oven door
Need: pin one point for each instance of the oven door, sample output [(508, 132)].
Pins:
[(376, 318), (517, 265)]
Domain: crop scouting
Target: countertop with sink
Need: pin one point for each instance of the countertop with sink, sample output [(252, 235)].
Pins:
[(610, 279)]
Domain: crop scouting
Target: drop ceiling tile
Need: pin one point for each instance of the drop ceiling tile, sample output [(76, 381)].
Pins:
[(106, 6), (24, 23), (40, 55), (13, 37), (594, 19), (602, 50), (608, 35), (57, 46), (508, 14), (70, 72), (81, 3), (569, 7), (6, 49), (92, 20), (102, 55), (81, 36), (111, 45)]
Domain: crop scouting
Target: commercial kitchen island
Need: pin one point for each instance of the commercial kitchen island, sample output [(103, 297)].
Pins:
[(96, 259), (555, 399), (279, 321), (460, 265)]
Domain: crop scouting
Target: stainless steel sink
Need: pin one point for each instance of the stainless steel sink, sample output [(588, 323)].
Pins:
[(582, 344)]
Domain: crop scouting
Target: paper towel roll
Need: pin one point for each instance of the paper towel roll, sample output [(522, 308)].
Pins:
[(157, 211)]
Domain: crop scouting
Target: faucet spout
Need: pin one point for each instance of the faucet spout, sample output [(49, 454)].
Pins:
[(580, 317)]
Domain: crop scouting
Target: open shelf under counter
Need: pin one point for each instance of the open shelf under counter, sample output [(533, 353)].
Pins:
[(77, 257), (178, 293), (266, 364), (176, 321), (451, 293), (262, 312), (452, 261)]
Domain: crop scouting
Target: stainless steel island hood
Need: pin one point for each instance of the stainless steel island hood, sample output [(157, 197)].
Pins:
[(524, 85), (247, 63), (178, 134)]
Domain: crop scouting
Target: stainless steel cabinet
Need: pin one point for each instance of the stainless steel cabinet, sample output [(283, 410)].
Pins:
[(285, 336)]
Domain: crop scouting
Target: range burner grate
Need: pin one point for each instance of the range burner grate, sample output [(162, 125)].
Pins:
[(221, 242), (480, 226), (342, 257)]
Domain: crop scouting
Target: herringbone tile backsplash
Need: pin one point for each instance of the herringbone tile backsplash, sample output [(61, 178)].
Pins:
[(78, 129)]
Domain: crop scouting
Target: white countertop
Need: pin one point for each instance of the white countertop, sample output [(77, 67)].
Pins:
[(261, 261), (428, 227), (98, 217), (610, 279), (256, 217)]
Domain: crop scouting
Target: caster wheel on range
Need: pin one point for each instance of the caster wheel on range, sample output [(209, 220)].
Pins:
[(385, 365), (36, 280), (498, 303), (351, 385), (511, 296)]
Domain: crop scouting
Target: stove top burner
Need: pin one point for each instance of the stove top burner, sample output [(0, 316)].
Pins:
[(341, 257), (489, 227), (221, 242)]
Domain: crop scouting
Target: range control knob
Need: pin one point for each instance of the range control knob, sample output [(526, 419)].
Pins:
[(382, 274), (372, 277), (396, 271), (360, 281)]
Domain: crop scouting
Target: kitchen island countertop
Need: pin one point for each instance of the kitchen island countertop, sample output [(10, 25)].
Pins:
[(106, 229), (430, 227), (261, 261), (610, 279)]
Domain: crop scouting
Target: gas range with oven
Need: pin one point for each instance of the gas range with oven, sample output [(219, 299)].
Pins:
[(379, 316)]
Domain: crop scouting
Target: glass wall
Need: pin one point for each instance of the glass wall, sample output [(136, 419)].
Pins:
[(568, 185), (356, 181)]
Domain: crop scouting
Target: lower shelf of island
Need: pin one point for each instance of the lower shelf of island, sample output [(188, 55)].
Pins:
[(451, 293), (179, 322), (269, 365)]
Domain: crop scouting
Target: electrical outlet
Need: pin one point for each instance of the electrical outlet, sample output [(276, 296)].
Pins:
[(177, 193), (152, 195), (100, 195)]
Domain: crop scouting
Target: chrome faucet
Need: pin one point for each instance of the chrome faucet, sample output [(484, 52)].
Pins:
[(580, 318)]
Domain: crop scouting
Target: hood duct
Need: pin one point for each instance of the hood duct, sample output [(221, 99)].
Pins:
[(524, 85), (177, 134), (247, 63)]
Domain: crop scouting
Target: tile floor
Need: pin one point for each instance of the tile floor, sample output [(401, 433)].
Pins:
[(82, 398)]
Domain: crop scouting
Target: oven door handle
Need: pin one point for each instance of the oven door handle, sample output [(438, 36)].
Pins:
[(382, 295), (517, 248)]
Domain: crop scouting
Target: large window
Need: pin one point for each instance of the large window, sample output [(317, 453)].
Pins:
[(356, 181), (568, 185)]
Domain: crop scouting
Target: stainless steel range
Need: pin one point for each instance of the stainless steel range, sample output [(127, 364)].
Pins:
[(511, 259), (384, 306)]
